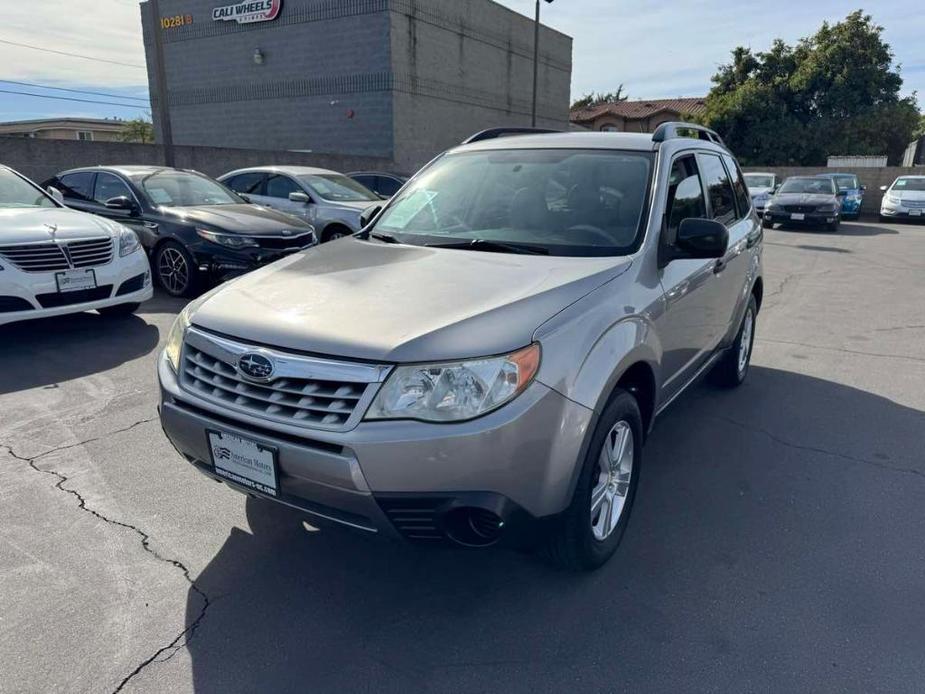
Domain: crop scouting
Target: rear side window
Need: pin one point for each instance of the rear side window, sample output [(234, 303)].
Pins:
[(78, 186), (247, 183), (738, 185), (719, 188), (387, 186), (108, 187), (685, 195), (367, 181)]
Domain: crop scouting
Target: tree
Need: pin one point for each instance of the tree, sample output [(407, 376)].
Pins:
[(591, 99), (137, 130), (835, 92)]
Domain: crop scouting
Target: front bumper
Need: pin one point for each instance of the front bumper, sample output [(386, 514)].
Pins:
[(219, 263), (31, 295), (901, 212), (812, 218), (518, 462)]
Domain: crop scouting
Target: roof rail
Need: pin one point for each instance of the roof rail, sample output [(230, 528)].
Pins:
[(669, 131), (493, 133)]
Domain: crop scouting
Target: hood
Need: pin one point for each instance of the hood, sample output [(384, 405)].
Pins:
[(31, 224), (907, 194), (395, 303), (242, 219), (805, 198), (755, 192)]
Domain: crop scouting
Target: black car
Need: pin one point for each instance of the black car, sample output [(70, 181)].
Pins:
[(196, 230), (804, 200), (382, 183)]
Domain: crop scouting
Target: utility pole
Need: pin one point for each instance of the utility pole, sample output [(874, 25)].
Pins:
[(536, 60), (160, 82)]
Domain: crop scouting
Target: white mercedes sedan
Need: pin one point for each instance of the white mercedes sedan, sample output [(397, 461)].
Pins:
[(54, 260)]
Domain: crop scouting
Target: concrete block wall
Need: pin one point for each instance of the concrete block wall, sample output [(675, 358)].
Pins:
[(872, 177), (42, 159)]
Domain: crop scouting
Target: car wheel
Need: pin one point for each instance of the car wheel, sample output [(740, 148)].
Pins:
[(175, 269), (733, 366), (587, 534), (767, 224), (335, 232), (119, 310)]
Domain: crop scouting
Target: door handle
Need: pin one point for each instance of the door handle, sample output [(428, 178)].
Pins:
[(719, 266), (677, 291)]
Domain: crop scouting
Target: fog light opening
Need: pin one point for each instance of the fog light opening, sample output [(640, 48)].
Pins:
[(473, 527)]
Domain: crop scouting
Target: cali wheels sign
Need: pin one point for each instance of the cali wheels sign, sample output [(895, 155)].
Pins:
[(248, 11)]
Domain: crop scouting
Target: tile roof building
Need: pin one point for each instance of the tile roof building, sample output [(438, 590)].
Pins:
[(637, 116)]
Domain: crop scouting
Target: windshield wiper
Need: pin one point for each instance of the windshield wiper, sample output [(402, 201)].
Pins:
[(387, 238), (492, 246)]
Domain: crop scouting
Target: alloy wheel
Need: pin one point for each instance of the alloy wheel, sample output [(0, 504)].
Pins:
[(173, 270), (745, 342), (614, 474)]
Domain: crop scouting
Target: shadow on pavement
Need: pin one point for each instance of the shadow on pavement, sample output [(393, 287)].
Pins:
[(755, 557), (826, 249), (860, 229), (51, 350)]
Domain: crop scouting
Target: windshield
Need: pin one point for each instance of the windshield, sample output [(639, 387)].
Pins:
[(917, 184), (16, 192), (814, 186), (337, 188), (185, 189), (846, 182), (758, 181), (561, 201)]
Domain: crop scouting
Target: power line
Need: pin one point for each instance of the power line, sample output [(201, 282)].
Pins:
[(72, 55), (75, 91), (70, 98)]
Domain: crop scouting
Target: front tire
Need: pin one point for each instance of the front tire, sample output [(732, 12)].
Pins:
[(589, 531), (335, 232), (119, 310), (176, 270), (732, 368)]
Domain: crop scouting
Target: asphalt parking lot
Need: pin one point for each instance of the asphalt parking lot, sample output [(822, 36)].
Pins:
[(777, 543)]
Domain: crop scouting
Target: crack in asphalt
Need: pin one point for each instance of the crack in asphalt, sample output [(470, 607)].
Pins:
[(814, 449), (844, 350), (183, 638)]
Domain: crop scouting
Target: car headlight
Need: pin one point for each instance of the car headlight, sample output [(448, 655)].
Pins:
[(228, 240), (826, 208), (892, 199), (175, 338), (128, 242), (455, 391)]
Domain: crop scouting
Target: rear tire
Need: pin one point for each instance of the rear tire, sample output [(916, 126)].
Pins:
[(587, 534), (119, 310), (732, 368)]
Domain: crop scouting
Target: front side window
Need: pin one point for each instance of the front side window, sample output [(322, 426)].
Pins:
[(184, 189), (719, 188), (77, 186), (109, 187), (685, 196), (759, 181), (338, 188), (280, 187), (743, 199), (557, 201), (17, 192), (809, 186)]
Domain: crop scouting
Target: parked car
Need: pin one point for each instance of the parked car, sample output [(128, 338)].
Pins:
[(850, 193), (804, 200), (55, 261), (197, 231), (382, 183), (329, 200), (506, 330), (904, 198), (761, 186)]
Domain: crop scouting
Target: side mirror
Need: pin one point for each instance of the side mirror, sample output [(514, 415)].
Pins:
[(701, 238), (883, 188), (863, 188), (56, 194), (299, 196), (369, 215), (121, 202)]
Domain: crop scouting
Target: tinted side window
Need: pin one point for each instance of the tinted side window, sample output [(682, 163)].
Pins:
[(247, 183), (738, 184), (685, 195), (280, 187), (108, 187), (719, 188), (387, 186), (367, 181), (78, 186)]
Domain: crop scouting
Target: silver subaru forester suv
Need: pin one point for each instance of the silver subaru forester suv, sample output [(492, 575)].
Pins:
[(484, 360)]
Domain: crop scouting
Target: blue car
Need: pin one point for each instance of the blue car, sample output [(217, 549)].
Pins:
[(850, 193)]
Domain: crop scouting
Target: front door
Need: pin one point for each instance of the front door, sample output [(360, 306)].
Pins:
[(276, 195)]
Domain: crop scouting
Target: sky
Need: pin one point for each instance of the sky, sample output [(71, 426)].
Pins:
[(656, 49)]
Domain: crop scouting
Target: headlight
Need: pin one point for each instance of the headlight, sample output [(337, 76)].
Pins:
[(826, 208), (455, 391), (892, 200), (227, 240), (128, 242), (175, 338)]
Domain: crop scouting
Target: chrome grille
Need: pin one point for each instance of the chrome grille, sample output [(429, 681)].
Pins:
[(913, 203), (50, 256), (308, 392)]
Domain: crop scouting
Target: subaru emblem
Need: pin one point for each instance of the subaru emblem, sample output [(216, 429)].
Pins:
[(256, 366)]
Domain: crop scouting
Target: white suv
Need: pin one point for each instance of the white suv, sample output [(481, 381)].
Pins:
[(54, 260)]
